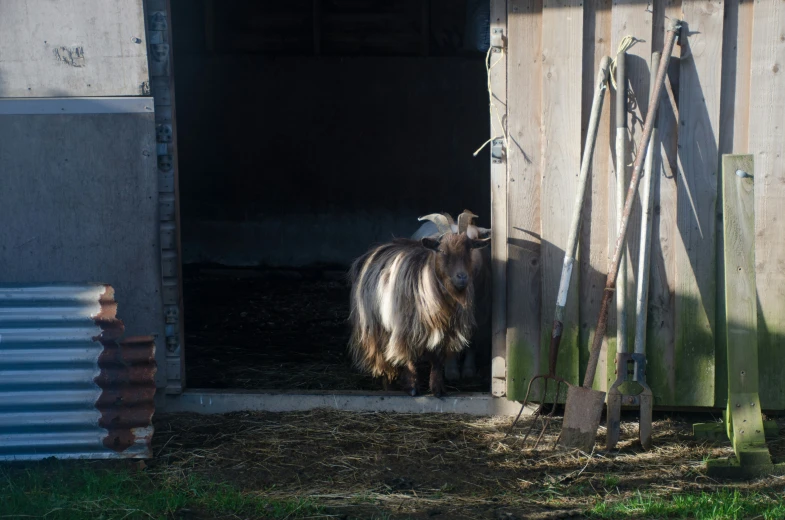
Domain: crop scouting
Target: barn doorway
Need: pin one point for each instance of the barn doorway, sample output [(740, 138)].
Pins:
[(308, 130)]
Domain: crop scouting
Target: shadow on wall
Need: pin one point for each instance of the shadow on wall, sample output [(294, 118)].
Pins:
[(671, 375)]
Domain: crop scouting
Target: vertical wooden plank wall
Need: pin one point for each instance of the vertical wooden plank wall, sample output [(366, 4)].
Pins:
[(524, 269), (498, 86), (709, 107), (699, 114), (562, 61), (734, 122), (629, 19), (594, 251), (767, 143)]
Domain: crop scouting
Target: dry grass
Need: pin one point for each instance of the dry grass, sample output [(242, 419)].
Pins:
[(450, 465)]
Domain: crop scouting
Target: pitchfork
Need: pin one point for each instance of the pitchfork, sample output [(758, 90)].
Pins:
[(569, 260)]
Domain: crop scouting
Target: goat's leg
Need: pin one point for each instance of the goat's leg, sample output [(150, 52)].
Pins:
[(437, 374), (408, 378)]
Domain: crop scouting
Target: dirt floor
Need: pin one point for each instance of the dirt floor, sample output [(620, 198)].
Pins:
[(395, 466), (268, 329)]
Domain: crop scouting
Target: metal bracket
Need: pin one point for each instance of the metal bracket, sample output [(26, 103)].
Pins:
[(497, 151), (497, 39)]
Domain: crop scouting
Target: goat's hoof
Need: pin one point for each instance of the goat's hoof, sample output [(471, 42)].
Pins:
[(413, 392)]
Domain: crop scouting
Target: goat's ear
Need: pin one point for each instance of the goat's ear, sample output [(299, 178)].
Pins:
[(480, 243), (430, 243)]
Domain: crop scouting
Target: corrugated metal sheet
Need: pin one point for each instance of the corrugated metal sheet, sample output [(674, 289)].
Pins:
[(70, 387)]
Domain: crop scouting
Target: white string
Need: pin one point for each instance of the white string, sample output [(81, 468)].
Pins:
[(494, 110)]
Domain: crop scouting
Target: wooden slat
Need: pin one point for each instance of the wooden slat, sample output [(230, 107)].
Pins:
[(744, 420), (562, 51), (699, 111), (524, 269), (734, 121), (741, 301), (594, 253), (660, 340), (767, 143), (631, 19), (498, 179)]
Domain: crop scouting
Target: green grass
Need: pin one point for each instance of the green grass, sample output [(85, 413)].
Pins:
[(724, 504), (77, 491)]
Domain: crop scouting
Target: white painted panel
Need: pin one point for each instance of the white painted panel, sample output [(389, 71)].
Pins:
[(72, 48)]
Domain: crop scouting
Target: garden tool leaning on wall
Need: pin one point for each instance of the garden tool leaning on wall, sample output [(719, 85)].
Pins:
[(569, 260), (583, 409), (624, 391)]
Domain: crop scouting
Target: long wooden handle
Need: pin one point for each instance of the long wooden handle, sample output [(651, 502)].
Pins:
[(575, 225), (648, 127), (621, 182), (644, 260)]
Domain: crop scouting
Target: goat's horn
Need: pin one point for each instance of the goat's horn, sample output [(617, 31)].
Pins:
[(449, 219), (464, 219), (440, 220)]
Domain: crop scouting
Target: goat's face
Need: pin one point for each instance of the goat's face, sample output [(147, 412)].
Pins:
[(454, 261)]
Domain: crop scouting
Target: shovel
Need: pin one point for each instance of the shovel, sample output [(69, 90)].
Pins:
[(569, 259), (583, 408)]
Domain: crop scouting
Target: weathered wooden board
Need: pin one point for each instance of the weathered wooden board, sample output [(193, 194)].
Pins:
[(699, 115), (767, 143), (524, 269), (714, 102), (660, 359), (734, 121), (498, 81), (629, 19), (73, 48), (738, 205), (562, 54), (594, 254)]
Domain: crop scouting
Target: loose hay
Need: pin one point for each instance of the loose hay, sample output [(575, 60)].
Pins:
[(459, 466)]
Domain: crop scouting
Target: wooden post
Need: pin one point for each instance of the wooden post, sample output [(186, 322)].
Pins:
[(498, 83), (522, 235), (743, 417)]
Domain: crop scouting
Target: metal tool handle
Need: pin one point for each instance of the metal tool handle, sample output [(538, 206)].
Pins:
[(621, 181), (648, 127), (575, 224), (644, 260)]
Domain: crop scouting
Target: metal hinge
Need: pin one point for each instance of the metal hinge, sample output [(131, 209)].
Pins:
[(497, 39), (497, 151)]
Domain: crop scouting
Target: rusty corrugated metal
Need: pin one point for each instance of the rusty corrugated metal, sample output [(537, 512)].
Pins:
[(70, 386)]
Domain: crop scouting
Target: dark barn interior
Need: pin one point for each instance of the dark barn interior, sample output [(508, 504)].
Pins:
[(308, 130)]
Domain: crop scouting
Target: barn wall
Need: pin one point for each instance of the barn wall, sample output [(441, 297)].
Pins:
[(553, 50), (293, 160)]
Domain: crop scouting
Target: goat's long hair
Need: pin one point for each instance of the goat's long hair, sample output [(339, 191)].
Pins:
[(400, 309)]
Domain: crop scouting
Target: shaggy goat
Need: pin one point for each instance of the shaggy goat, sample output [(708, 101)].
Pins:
[(412, 299), (463, 365)]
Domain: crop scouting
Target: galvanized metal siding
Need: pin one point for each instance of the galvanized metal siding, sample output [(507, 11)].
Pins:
[(79, 200), (72, 48), (68, 387)]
